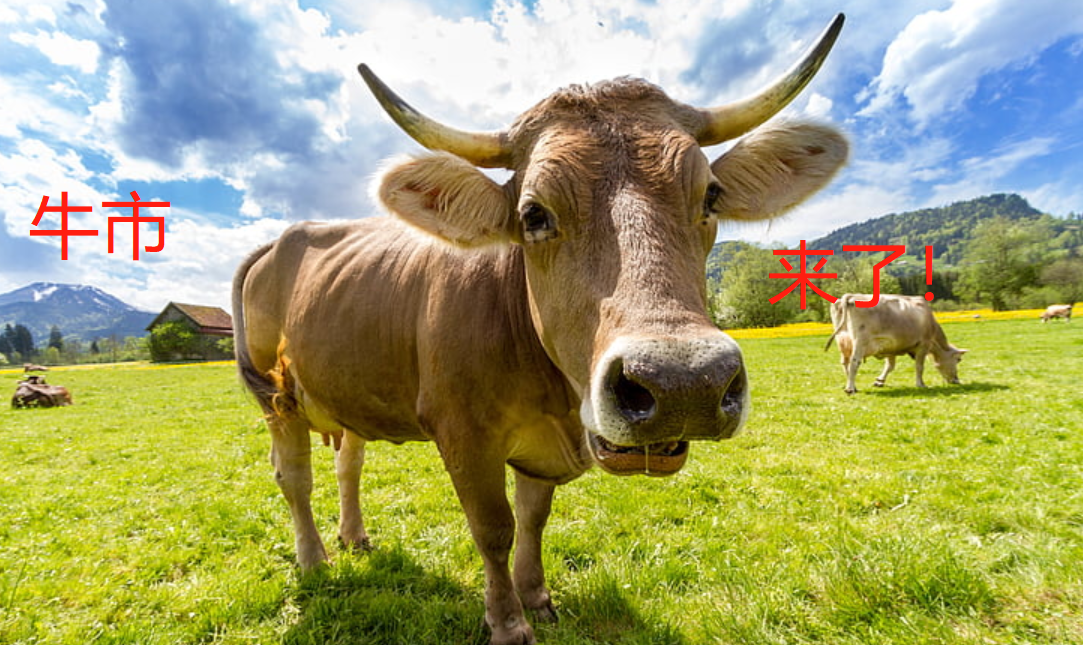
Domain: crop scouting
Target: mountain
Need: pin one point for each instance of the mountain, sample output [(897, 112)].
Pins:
[(946, 228), (77, 310)]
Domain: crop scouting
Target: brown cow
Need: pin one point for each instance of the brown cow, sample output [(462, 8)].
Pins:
[(1057, 311), (896, 325), (33, 392), (550, 323)]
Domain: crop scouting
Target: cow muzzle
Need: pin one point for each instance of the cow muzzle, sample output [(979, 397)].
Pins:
[(649, 397)]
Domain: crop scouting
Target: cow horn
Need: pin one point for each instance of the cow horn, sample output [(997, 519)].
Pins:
[(485, 149), (732, 120)]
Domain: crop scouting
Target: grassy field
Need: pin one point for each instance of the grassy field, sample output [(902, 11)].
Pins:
[(146, 513)]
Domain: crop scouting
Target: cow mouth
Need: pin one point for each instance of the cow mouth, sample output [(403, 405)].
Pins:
[(657, 459)]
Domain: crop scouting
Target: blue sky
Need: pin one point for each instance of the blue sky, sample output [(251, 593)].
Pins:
[(248, 115)]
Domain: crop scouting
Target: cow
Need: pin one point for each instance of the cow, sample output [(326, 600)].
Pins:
[(896, 325), (34, 392), (31, 367), (550, 323), (1057, 311)]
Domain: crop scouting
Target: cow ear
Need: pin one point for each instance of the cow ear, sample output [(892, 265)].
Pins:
[(776, 168), (448, 198)]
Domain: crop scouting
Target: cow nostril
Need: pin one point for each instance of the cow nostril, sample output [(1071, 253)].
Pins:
[(734, 396), (634, 401)]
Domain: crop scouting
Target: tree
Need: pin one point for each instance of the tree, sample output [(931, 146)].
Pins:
[(855, 276), (52, 356), (72, 350), (1066, 276), (7, 341), (1001, 259), (23, 342), (172, 341), (747, 288), (56, 339), (224, 346), (135, 348)]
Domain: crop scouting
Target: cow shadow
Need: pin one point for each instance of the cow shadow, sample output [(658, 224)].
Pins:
[(386, 597), (936, 391)]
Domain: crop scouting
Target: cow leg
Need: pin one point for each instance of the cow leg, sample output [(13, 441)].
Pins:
[(291, 451), (480, 487), (919, 367), (533, 501), (889, 365), (349, 459), (851, 369)]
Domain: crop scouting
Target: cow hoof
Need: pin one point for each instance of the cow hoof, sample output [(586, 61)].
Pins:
[(849, 391), (355, 545), (878, 384), (519, 634), (545, 613)]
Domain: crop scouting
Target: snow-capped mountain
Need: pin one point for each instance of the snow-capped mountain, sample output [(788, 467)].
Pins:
[(77, 310)]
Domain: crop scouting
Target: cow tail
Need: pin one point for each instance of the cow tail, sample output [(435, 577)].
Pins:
[(831, 339), (259, 384), (842, 321)]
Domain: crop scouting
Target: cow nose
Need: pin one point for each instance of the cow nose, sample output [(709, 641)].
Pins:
[(668, 390), (634, 399)]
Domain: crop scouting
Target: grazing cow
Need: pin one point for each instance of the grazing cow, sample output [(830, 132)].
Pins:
[(550, 323), (33, 392), (30, 367), (896, 325), (1057, 311)]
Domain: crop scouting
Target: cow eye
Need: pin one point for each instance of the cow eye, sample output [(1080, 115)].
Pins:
[(712, 199), (538, 223)]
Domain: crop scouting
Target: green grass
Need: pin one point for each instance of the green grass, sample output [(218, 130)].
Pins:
[(146, 513)]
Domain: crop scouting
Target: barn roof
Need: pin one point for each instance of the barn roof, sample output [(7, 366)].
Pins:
[(209, 320)]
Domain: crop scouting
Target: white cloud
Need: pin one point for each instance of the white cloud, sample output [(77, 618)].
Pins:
[(27, 109), (62, 49), (936, 62), (984, 175), (196, 265), (198, 262), (825, 213), (35, 170), (1060, 198)]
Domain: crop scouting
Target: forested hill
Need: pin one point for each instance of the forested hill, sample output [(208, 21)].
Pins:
[(946, 228)]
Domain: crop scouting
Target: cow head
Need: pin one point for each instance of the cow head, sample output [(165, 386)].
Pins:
[(947, 362), (615, 208)]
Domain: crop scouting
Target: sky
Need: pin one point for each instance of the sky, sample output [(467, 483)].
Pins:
[(248, 115)]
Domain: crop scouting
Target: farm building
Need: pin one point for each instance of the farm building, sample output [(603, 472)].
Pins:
[(191, 332)]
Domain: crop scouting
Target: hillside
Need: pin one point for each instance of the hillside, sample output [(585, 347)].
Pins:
[(946, 228), (77, 310)]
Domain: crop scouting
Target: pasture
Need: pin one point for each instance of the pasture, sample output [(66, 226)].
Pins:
[(146, 513)]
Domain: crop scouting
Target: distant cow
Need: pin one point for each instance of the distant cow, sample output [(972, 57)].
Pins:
[(554, 322), (31, 367), (896, 325), (1057, 311), (33, 392)]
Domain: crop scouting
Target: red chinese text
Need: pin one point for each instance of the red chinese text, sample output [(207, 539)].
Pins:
[(802, 277), (135, 220), (64, 232), (896, 251)]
